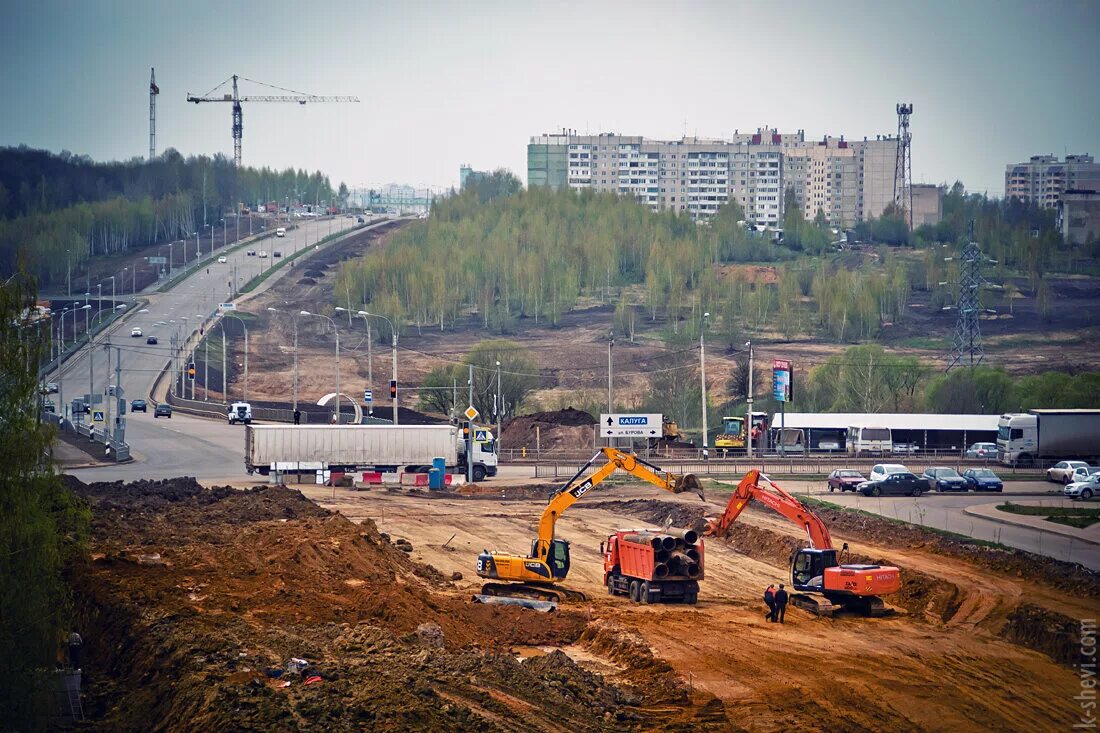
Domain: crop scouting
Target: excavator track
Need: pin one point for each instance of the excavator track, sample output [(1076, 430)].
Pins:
[(534, 592), (872, 606)]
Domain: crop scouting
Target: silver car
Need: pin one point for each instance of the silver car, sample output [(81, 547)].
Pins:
[(1085, 488), (982, 450)]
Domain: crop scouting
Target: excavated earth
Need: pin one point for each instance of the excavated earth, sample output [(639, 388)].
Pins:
[(194, 602)]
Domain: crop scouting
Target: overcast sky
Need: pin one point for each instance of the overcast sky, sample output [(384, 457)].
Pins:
[(469, 82)]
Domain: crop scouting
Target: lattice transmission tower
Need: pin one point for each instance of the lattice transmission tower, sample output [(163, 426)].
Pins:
[(967, 349), (903, 166)]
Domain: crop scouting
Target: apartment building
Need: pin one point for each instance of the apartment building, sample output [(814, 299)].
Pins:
[(1044, 178), (849, 181)]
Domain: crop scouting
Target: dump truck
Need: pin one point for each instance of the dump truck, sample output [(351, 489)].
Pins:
[(384, 448), (653, 566), (1048, 434)]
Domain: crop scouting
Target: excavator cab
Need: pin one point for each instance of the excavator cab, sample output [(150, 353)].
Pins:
[(808, 568), (557, 559)]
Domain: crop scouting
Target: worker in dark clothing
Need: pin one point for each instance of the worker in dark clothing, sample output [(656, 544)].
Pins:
[(769, 601), (75, 643), (781, 598), (297, 416)]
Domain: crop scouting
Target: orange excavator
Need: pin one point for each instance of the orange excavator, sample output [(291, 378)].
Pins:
[(825, 585)]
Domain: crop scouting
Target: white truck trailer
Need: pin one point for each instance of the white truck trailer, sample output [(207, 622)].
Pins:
[(1048, 434), (385, 448)]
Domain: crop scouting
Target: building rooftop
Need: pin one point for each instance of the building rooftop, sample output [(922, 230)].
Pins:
[(892, 420)]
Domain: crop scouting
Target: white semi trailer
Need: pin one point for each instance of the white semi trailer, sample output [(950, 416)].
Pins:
[(383, 448), (1048, 434)]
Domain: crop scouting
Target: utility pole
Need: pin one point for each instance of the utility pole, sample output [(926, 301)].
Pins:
[(206, 370), (393, 332), (610, 345), (470, 432), (120, 421), (370, 368), (108, 397), (748, 423), (295, 362), (69, 272), (225, 392), (703, 378)]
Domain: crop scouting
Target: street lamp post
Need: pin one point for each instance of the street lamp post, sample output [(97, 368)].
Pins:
[(171, 246), (245, 327), (276, 310), (99, 298), (337, 332), (748, 423), (393, 345), (703, 378), (499, 407)]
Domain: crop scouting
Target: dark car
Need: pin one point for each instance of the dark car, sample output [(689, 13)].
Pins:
[(982, 479), (138, 406), (895, 484), (49, 406), (276, 253), (845, 479), (942, 478), (151, 340), (163, 410)]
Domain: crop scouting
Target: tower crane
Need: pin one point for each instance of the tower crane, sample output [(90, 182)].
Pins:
[(236, 99)]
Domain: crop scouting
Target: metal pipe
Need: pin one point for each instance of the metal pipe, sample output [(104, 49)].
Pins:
[(689, 536)]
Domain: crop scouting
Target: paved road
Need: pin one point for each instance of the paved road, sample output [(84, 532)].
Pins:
[(181, 445)]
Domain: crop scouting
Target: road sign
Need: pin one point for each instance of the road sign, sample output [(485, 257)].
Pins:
[(368, 396), (616, 425), (227, 306), (97, 416), (481, 435), (157, 260), (471, 413)]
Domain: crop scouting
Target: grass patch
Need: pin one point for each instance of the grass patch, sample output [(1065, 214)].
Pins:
[(1069, 516), (923, 342)]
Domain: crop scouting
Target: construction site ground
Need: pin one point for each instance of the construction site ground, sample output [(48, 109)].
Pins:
[(194, 600)]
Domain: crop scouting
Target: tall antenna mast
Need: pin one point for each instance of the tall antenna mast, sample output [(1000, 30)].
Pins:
[(903, 166), (154, 90)]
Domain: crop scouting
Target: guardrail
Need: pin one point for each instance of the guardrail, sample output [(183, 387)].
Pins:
[(120, 449)]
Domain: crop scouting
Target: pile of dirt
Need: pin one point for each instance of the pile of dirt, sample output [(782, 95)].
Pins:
[(1052, 633), (566, 429), (195, 601)]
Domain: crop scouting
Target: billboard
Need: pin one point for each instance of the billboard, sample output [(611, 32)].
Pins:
[(782, 380)]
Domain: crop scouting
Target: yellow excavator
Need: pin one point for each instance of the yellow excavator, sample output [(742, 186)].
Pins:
[(536, 575)]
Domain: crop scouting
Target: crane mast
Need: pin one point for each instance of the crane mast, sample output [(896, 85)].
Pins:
[(154, 90)]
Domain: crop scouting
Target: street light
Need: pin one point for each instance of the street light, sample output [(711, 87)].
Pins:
[(337, 332), (748, 424), (245, 327), (276, 310), (703, 378), (393, 344)]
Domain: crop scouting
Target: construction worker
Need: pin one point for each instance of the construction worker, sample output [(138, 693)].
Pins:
[(781, 598), (297, 416), (75, 642), (769, 601)]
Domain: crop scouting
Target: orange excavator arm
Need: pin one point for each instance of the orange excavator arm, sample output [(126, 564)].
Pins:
[(777, 499)]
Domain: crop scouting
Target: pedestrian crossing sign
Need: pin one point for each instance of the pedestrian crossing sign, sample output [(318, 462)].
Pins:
[(481, 436), (97, 416)]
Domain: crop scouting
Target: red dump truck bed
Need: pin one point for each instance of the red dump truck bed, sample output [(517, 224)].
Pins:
[(651, 566)]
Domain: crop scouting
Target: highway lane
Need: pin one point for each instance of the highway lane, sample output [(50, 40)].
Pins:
[(181, 445)]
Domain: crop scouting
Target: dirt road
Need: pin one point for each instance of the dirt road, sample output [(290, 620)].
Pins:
[(940, 664)]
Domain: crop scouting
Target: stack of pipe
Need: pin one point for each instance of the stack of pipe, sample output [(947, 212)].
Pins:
[(674, 551)]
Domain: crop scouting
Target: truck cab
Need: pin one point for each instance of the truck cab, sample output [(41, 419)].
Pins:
[(484, 453), (1017, 437)]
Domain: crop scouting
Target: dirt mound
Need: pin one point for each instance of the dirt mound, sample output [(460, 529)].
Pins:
[(1052, 633), (195, 600), (560, 429)]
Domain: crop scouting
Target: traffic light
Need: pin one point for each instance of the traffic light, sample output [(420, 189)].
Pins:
[(191, 370), (393, 389)]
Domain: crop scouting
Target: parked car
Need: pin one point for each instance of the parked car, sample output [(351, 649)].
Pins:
[(845, 479), (135, 332), (222, 260), (882, 470), (942, 478), (902, 483), (1080, 474), (1060, 471), (151, 340), (983, 479), (982, 450), (163, 410), (904, 449), (138, 406), (1086, 488)]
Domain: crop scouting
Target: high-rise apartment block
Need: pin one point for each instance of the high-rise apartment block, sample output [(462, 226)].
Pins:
[(850, 181), (1044, 178)]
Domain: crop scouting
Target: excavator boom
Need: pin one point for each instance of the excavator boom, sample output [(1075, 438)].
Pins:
[(780, 501)]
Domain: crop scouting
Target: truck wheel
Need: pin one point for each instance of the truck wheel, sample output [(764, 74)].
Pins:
[(643, 592), (634, 591), (610, 585), (479, 473), (691, 599)]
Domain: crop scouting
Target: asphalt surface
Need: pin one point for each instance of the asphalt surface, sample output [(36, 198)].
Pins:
[(180, 445)]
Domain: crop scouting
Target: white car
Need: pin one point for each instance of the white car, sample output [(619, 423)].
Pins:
[(135, 332), (882, 470), (222, 260), (1085, 488), (1061, 471), (263, 254)]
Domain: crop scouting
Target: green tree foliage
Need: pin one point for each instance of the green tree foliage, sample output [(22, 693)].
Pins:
[(864, 378), (498, 184), (990, 390), (68, 208), (42, 526), (518, 377)]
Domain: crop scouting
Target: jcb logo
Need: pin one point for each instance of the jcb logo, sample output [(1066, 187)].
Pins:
[(583, 489), (533, 566)]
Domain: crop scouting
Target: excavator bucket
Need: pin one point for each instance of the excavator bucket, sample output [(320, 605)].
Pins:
[(688, 482)]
